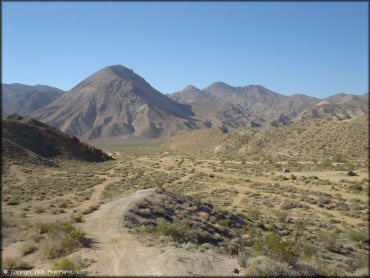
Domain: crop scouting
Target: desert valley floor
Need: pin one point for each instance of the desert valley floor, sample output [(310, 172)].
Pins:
[(153, 211)]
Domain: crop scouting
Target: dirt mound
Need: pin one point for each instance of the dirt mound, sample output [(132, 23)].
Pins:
[(312, 139), (187, 219)]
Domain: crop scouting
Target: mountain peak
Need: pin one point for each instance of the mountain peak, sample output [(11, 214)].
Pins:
[(119, 71), (219, 84), (111, 73), (191, 88)]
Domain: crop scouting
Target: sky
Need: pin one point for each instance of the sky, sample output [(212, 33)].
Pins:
[(312, 48)]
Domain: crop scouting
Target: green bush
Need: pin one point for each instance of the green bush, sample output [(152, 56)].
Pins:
[(339, 158), (67, 267), (266, 267), (78, 218), (329, 240), (254, 214), (273, 245), (356, 186), (225, 222), (61, 239), (178, 231), (357, 235), (281, 215)]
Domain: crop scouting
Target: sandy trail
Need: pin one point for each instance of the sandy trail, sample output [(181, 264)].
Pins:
[(117, 252), (98, 190), (14, 170)]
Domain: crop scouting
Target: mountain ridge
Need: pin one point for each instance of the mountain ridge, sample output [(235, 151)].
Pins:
[(116, 102)]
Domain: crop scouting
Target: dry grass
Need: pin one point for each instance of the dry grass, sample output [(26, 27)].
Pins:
[(319, 199)]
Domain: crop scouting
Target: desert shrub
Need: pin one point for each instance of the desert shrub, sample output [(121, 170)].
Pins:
[(339, 158), (67, 267), (356, 186), (225, 222), (357, 235), (266, 267), (28, 248), (78, 218), (178, 231), (281, 215), (39, 210), (63, 204), (12, 202), (254, 213), (275, 246), (61, 239), (326, 164), (229, 248), (14, 263), (90, 209), (323, 201), (329, 240), (242, 258)]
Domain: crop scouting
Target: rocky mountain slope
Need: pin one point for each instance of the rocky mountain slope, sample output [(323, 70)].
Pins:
[(24, 100), (26, 138), (213, 109), (338, 107), (256, 106), (256, 98), (116, 102)]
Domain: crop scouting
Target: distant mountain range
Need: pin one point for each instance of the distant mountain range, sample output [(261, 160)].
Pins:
[(116, 102), (23, 99), (255, 105)]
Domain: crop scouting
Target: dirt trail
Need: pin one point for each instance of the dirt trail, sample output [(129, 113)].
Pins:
[(98, 190), (14, 170), (117, 252)]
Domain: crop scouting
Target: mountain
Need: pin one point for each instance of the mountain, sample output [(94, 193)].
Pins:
[(232, 107), (287, 110), (256, 106), (116, 102), (338, 107), (213, 109), (22, 138), (364, 97), (24, 99), (257, 99), (249, 106)]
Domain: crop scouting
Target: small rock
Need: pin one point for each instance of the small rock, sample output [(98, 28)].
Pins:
[(351, 173)]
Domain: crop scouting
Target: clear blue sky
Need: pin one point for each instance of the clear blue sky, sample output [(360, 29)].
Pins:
[(313, 48)]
